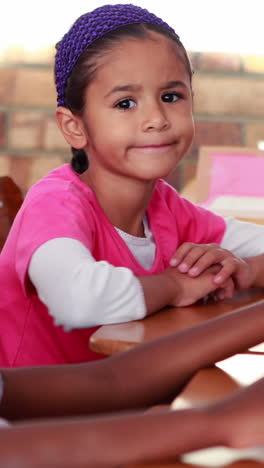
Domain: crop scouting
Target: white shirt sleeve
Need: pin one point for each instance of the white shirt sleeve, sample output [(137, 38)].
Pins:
[(243, 239), (81, 292)]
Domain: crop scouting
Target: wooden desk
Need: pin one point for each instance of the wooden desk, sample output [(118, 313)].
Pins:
[(112, 339)]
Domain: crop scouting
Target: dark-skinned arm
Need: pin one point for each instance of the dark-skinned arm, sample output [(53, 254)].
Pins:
[(138, 378), (121, 440), (112, 442)]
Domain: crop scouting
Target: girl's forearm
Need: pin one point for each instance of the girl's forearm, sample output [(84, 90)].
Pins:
[(158, 290), (109, 442)]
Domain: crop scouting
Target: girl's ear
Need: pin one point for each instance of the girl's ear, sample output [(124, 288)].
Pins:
[(72, 128)]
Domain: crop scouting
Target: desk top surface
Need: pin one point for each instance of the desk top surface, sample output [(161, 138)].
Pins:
[(111, 339)]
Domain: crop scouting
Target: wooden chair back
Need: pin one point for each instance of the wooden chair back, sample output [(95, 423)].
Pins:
[(11, 199)]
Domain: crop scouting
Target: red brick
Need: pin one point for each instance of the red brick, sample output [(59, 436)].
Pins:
[(34, 87), (52, 138), (217, 133), (231, 96), (254, 132), (218, 61), (188, 171), (7, 85), (25, 171), (26, 130), (2, 129), (42, 165)]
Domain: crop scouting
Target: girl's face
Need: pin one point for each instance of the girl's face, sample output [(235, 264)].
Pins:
[(138, 113)]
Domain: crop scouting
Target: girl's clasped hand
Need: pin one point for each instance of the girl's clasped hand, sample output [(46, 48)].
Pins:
[(232, 273)]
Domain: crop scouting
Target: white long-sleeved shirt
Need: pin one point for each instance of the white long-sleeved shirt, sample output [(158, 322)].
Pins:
[(99, 293)]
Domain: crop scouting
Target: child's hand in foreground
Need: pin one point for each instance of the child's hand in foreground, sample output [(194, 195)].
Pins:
[(242, 415), (194, 259), (188, 290)]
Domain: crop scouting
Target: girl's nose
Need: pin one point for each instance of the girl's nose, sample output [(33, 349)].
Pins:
[(155, 119)]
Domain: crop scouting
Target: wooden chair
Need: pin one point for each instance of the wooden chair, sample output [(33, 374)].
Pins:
[(11, 199)]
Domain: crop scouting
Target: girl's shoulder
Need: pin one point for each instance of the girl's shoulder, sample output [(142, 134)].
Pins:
[(61, 182), (59, 205)]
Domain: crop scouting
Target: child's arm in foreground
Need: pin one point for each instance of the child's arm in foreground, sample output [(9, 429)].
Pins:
[(242, 413), (130, 380), (115, 441)]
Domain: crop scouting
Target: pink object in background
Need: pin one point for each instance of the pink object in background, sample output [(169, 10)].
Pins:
[(236, 175)]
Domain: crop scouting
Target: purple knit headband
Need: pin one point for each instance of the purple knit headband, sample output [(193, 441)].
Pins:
[(90, 27)]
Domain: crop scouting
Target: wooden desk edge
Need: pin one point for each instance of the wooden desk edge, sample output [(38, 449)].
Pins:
[(114, 348)]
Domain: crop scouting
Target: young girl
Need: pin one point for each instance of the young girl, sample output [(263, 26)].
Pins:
[(107, 240)]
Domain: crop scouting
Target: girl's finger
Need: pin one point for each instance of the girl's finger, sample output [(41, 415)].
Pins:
[(210, 257), (219, 294), (180, 253), (227, 290), (230, 266), (191, 259)]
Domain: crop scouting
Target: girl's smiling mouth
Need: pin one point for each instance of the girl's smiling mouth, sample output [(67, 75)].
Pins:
[(162, 148)]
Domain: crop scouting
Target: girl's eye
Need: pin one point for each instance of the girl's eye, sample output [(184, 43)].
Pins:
[(170, 97), (126, 104)]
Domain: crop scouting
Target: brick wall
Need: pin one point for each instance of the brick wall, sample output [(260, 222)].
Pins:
[(228, 107)]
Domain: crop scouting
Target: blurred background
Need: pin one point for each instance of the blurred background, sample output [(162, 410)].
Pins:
[(225, 43)]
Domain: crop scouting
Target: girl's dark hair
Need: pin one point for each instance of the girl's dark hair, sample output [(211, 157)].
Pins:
[(85, 68)]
